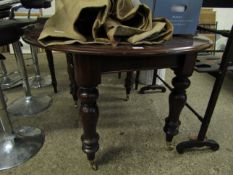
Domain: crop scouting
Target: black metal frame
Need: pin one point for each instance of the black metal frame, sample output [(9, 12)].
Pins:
[(201, 140), (153, 86), (218, 3)]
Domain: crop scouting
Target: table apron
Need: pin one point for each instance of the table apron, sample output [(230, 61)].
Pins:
[(114, 64)]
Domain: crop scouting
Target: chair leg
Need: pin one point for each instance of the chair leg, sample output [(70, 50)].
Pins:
[(17, 146), (28, 105), (38, 81), (52, 69)]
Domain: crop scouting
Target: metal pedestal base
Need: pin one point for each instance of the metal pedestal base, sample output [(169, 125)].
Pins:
[(183, 146), (11, 80), (152, 87), (19, 147), (39, 81), (27, 106)]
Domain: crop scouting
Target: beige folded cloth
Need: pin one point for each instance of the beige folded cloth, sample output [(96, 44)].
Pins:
[(103, 22)]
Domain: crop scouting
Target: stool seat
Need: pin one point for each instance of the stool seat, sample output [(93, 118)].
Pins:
[(11, 30), (4, 13), (7, 4), (36, 3)]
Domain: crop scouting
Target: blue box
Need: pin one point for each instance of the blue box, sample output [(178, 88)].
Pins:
[(184, 14), (149, 3)]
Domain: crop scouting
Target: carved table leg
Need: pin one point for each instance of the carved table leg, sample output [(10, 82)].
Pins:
[(88, 75), (89, 113), (73, 84), (49, 55), (177, 100), (128, 84), (137, 79)]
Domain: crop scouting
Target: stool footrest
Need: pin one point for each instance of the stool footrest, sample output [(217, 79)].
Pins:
[(183, 146)]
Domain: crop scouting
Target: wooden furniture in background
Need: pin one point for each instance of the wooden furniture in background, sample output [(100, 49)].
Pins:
[(208, 20)]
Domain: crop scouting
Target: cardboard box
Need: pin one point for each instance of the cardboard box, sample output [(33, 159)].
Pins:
[(184, 14), (207, 16)]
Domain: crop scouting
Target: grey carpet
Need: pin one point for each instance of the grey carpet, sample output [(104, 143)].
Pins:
[(132, 141)]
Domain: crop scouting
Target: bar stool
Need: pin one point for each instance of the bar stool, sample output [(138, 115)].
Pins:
[(10, 32), (17, 146), (13, 79), (8, 80), (38, 81)]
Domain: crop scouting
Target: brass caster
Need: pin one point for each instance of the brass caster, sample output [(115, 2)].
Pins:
[(127, 98), (93, 165), (76, 104), (170, 146)]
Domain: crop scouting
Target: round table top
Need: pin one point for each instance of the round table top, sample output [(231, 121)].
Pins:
[(177, 45)]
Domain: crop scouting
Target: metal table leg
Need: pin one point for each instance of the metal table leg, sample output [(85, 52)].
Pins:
[(73, 84)]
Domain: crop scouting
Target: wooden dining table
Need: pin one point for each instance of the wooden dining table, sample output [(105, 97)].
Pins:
[(90, 61)]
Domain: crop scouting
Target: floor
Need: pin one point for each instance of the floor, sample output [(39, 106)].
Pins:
[(132, 141)]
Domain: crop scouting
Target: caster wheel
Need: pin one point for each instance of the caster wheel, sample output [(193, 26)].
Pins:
[(93, 165)]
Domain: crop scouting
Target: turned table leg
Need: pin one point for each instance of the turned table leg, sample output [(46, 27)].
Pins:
[(73, 84), (88, 75), (89, 113), (49, 55), (177, 100), (128, 84), (178, 97)]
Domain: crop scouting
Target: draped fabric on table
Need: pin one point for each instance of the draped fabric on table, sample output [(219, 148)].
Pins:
[(104, 22)]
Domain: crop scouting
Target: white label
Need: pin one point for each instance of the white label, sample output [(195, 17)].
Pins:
[(136, 47)]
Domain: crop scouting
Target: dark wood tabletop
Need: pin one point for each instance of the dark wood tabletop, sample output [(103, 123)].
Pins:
[(179, 44)]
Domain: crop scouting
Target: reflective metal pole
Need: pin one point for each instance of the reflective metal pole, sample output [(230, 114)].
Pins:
[(28, 105), (38, 81)]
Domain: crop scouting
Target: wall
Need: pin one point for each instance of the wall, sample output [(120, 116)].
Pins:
[(50, 11), (224, 18)]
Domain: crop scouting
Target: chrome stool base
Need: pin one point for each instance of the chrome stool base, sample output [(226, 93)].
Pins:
[(39, 81), (11, 80), (20, 146), (27, 106)]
